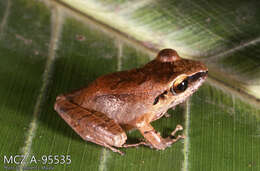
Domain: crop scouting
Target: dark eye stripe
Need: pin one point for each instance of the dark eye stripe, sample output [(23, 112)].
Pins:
[(197, 76), (156, 100)]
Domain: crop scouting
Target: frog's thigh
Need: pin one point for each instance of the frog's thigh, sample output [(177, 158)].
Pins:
[(91, 125)]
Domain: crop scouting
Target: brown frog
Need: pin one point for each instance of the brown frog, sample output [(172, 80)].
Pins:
[(131, 99)]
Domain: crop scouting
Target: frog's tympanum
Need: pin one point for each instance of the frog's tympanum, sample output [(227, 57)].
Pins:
[(120, 101)]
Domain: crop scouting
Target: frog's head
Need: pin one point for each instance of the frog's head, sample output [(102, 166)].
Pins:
[(179, 77)]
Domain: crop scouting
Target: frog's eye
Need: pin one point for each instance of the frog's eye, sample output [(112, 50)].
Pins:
[(179, 86)]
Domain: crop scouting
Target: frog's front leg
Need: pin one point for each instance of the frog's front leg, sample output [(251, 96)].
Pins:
[(91, 125), (155, 139)]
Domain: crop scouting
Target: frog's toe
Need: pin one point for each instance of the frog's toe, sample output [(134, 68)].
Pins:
[(169, 141), (178, 128)]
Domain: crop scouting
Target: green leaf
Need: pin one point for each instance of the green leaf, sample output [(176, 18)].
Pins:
[(207, 31), (47, 49), (23, 39)]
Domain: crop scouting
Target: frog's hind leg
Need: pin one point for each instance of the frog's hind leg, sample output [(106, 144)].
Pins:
[(91, 125), (137, 144), (108, 146)]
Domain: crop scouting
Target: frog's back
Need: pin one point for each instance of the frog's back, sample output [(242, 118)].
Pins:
[(154, 76), (150, 78)]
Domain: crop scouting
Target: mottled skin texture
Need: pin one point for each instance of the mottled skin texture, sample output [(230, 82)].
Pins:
[(131, 99)]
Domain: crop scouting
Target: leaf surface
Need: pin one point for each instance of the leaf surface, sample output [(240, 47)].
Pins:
[(47, 49)]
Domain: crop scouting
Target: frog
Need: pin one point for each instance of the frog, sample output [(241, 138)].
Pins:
[(115, 103)]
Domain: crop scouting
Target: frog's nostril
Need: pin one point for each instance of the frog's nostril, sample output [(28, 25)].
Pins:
[(168, 55)]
